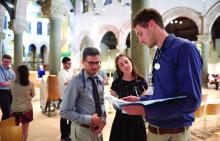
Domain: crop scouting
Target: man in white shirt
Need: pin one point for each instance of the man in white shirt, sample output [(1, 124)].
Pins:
[(64, 76)]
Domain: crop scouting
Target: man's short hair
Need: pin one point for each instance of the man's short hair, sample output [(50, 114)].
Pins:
[(90, 51), (65, 60), (6, 56), (145, 15)]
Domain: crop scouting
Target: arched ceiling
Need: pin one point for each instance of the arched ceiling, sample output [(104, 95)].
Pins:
[(8, 4), (110, 40), (183, 27)]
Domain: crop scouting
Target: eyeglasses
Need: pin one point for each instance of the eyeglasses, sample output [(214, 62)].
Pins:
[(6, 61), (93, 63)]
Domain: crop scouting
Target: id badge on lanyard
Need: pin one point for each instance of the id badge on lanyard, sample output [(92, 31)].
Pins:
[(4, 73)]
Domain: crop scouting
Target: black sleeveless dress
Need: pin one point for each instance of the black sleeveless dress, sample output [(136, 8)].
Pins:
[(128, 127)]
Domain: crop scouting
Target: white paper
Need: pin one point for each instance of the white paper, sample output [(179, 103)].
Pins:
[(119, 102)]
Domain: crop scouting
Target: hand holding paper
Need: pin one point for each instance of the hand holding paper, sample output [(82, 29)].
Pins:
[(133, 109), (131, 98)]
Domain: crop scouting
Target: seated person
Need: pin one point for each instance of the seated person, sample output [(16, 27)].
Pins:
[(41, 71)]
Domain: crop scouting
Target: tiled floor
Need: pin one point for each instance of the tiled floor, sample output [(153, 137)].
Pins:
[(44, 128)]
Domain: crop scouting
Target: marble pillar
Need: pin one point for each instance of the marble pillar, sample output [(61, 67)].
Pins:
[(205, 40), (2, 37), (2, 34), (139, 53), (55, 46), (56, 11), (18, 27)]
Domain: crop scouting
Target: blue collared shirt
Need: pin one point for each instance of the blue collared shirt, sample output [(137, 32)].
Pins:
[(77, 104), (6, 75), (179, 75)]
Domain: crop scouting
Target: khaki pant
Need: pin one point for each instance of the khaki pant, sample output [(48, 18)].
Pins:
[(184, 136), (79, 133)]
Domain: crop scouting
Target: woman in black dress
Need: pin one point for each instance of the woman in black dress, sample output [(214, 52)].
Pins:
[(127, 127)]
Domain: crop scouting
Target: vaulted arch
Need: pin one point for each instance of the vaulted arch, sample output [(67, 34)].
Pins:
[(103, 31), (183, 12), (123, 35), (211, 16)]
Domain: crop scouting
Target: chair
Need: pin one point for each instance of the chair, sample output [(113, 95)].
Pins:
[(200, 112), (11, 133), (211, 109), (53, 93), (8, 122), (34, 78)]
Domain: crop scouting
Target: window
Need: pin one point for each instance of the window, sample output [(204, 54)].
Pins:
[(39, 28), (5, 23), (29, 28), (85, 6), (48, 29), (107, 2)]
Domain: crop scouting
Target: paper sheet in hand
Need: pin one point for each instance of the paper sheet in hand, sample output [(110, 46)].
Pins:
[(119, 102), (115, 101)]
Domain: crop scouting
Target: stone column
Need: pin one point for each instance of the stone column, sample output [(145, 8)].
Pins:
[(18, 27), (55, 45), (139, 53), (56, 11), (2, 34), (205, 40), (2, 37)]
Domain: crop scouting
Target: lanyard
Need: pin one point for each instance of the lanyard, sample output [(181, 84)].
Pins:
[(156, 64), (4, 73)]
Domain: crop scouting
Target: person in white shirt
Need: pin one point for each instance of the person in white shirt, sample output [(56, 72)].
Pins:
[(64, 76)]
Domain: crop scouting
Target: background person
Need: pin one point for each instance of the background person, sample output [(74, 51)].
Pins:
[(41, 81), (177, 70), (64, 76), (127, 127), (7, 75), (22, 91), (104, 76), (41, 71), (83, 101)]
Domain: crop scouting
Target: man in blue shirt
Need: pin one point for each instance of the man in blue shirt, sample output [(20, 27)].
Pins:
[(177, 69), (79, 103), (6, 76)]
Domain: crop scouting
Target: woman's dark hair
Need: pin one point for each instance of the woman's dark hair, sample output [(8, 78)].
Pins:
[(23, 75), (134, 72)]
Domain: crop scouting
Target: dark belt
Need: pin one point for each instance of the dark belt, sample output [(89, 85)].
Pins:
[(5, 90), (90, 127), (85, 125), (158, 130)]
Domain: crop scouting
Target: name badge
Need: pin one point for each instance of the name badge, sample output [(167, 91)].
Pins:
[(157, 66)]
